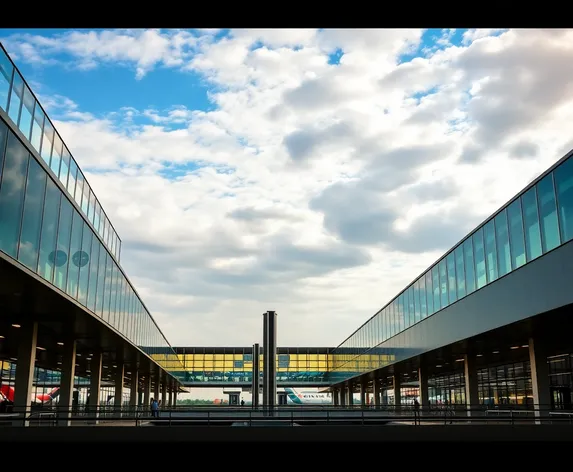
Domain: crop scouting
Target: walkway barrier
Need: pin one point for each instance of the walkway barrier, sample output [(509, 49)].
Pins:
[(284, 416)]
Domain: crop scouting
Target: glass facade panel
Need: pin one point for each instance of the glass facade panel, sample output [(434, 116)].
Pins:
[(37, 128), (443, 283), (64, 166), (62, 255), (25, 123), (550, 237), (531, 224), (6, 69), (490, 251), (32, 219), (73, 171), (101, 284), (411, 308), (469, 266), (75, 248), (564, 187), (12, 190), (516, 238), (56, 158), (460, 272), (47, 141), (479, 257), (429, 293), (451, 267), (93, 279), (16, 97), (422, 292), (436, 283), (83, 261), (49, 231), (502, 244)]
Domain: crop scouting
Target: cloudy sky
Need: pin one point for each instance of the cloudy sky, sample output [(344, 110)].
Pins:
[(311, 172)]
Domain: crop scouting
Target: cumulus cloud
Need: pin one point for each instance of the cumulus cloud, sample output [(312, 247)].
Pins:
[(316, 188)]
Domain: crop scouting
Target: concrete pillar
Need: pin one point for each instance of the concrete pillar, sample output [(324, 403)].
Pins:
[(170, 400), (146, 391), (118, 394), (343, 395), (471, 381), (157, 380), (335, 397), (539, 378), (164, 394), (175, 398), (95, 383), (255, 377), (362, 393), (269, 360), (397, 386), (134, 390), (67, 381), (424, 391), (377, 393), (27, 340), (350, 393)]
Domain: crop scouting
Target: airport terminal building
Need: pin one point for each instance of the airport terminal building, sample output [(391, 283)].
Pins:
[(70, 315), (489, 324)]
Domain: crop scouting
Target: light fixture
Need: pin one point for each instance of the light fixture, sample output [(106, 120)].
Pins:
[(13, 359), (460, 360), (514, 347), (79, 354), (59, 362), (60, 343), (15, 325), (439, 365), (479, 355), (41, 348), (525, 345), (496, 352), (1, 337)]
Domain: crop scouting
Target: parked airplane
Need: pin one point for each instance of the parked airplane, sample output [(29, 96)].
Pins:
[(7, 393), (295, 397)]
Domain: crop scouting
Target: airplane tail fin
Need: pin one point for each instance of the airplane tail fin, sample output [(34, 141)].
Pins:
[(54, 393)]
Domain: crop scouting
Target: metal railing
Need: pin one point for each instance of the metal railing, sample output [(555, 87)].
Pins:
[(283, 416)]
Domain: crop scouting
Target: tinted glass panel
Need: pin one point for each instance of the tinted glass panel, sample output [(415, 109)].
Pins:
[(83, 261), (47, 142), (422, 292), (62, 259), (443, 283), (479, 256), (12, 194), (451, 266), (6, 69), (16, 97), (436, 284), (411, 308), (64, 166), (531, 224), (550, 237), (429, 293), (27, 112), (101, 281), (94, 267), (37, 128), (516, 238), (564, 186), (49, 231), (460, 273), (490, 251), (502, 243), (3, 136), (75, 256), (56, 159), (32, 220)]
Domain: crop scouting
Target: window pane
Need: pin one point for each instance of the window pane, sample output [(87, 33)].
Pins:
[(422, 291), (436, 283), (64, 166), (6, 69), (411, 308), (47, 141), (94, 267), (479, 254), (56, 155), (91, 212), (12, 194), (443, 283), (72, 177), (3, 136), (531, 224), (451, 266), (37, 128), (85, 198), (550, 238), (49, 231), (460, 273), (83, 262), (502, 243), (79, 188), (75, 258), (107, 287), (429, 293), (32, 220), (16, 97), (62, 257), (101, 281), (469, 266), (564, 185), (490, 251), (27, 112), (516, 234)]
